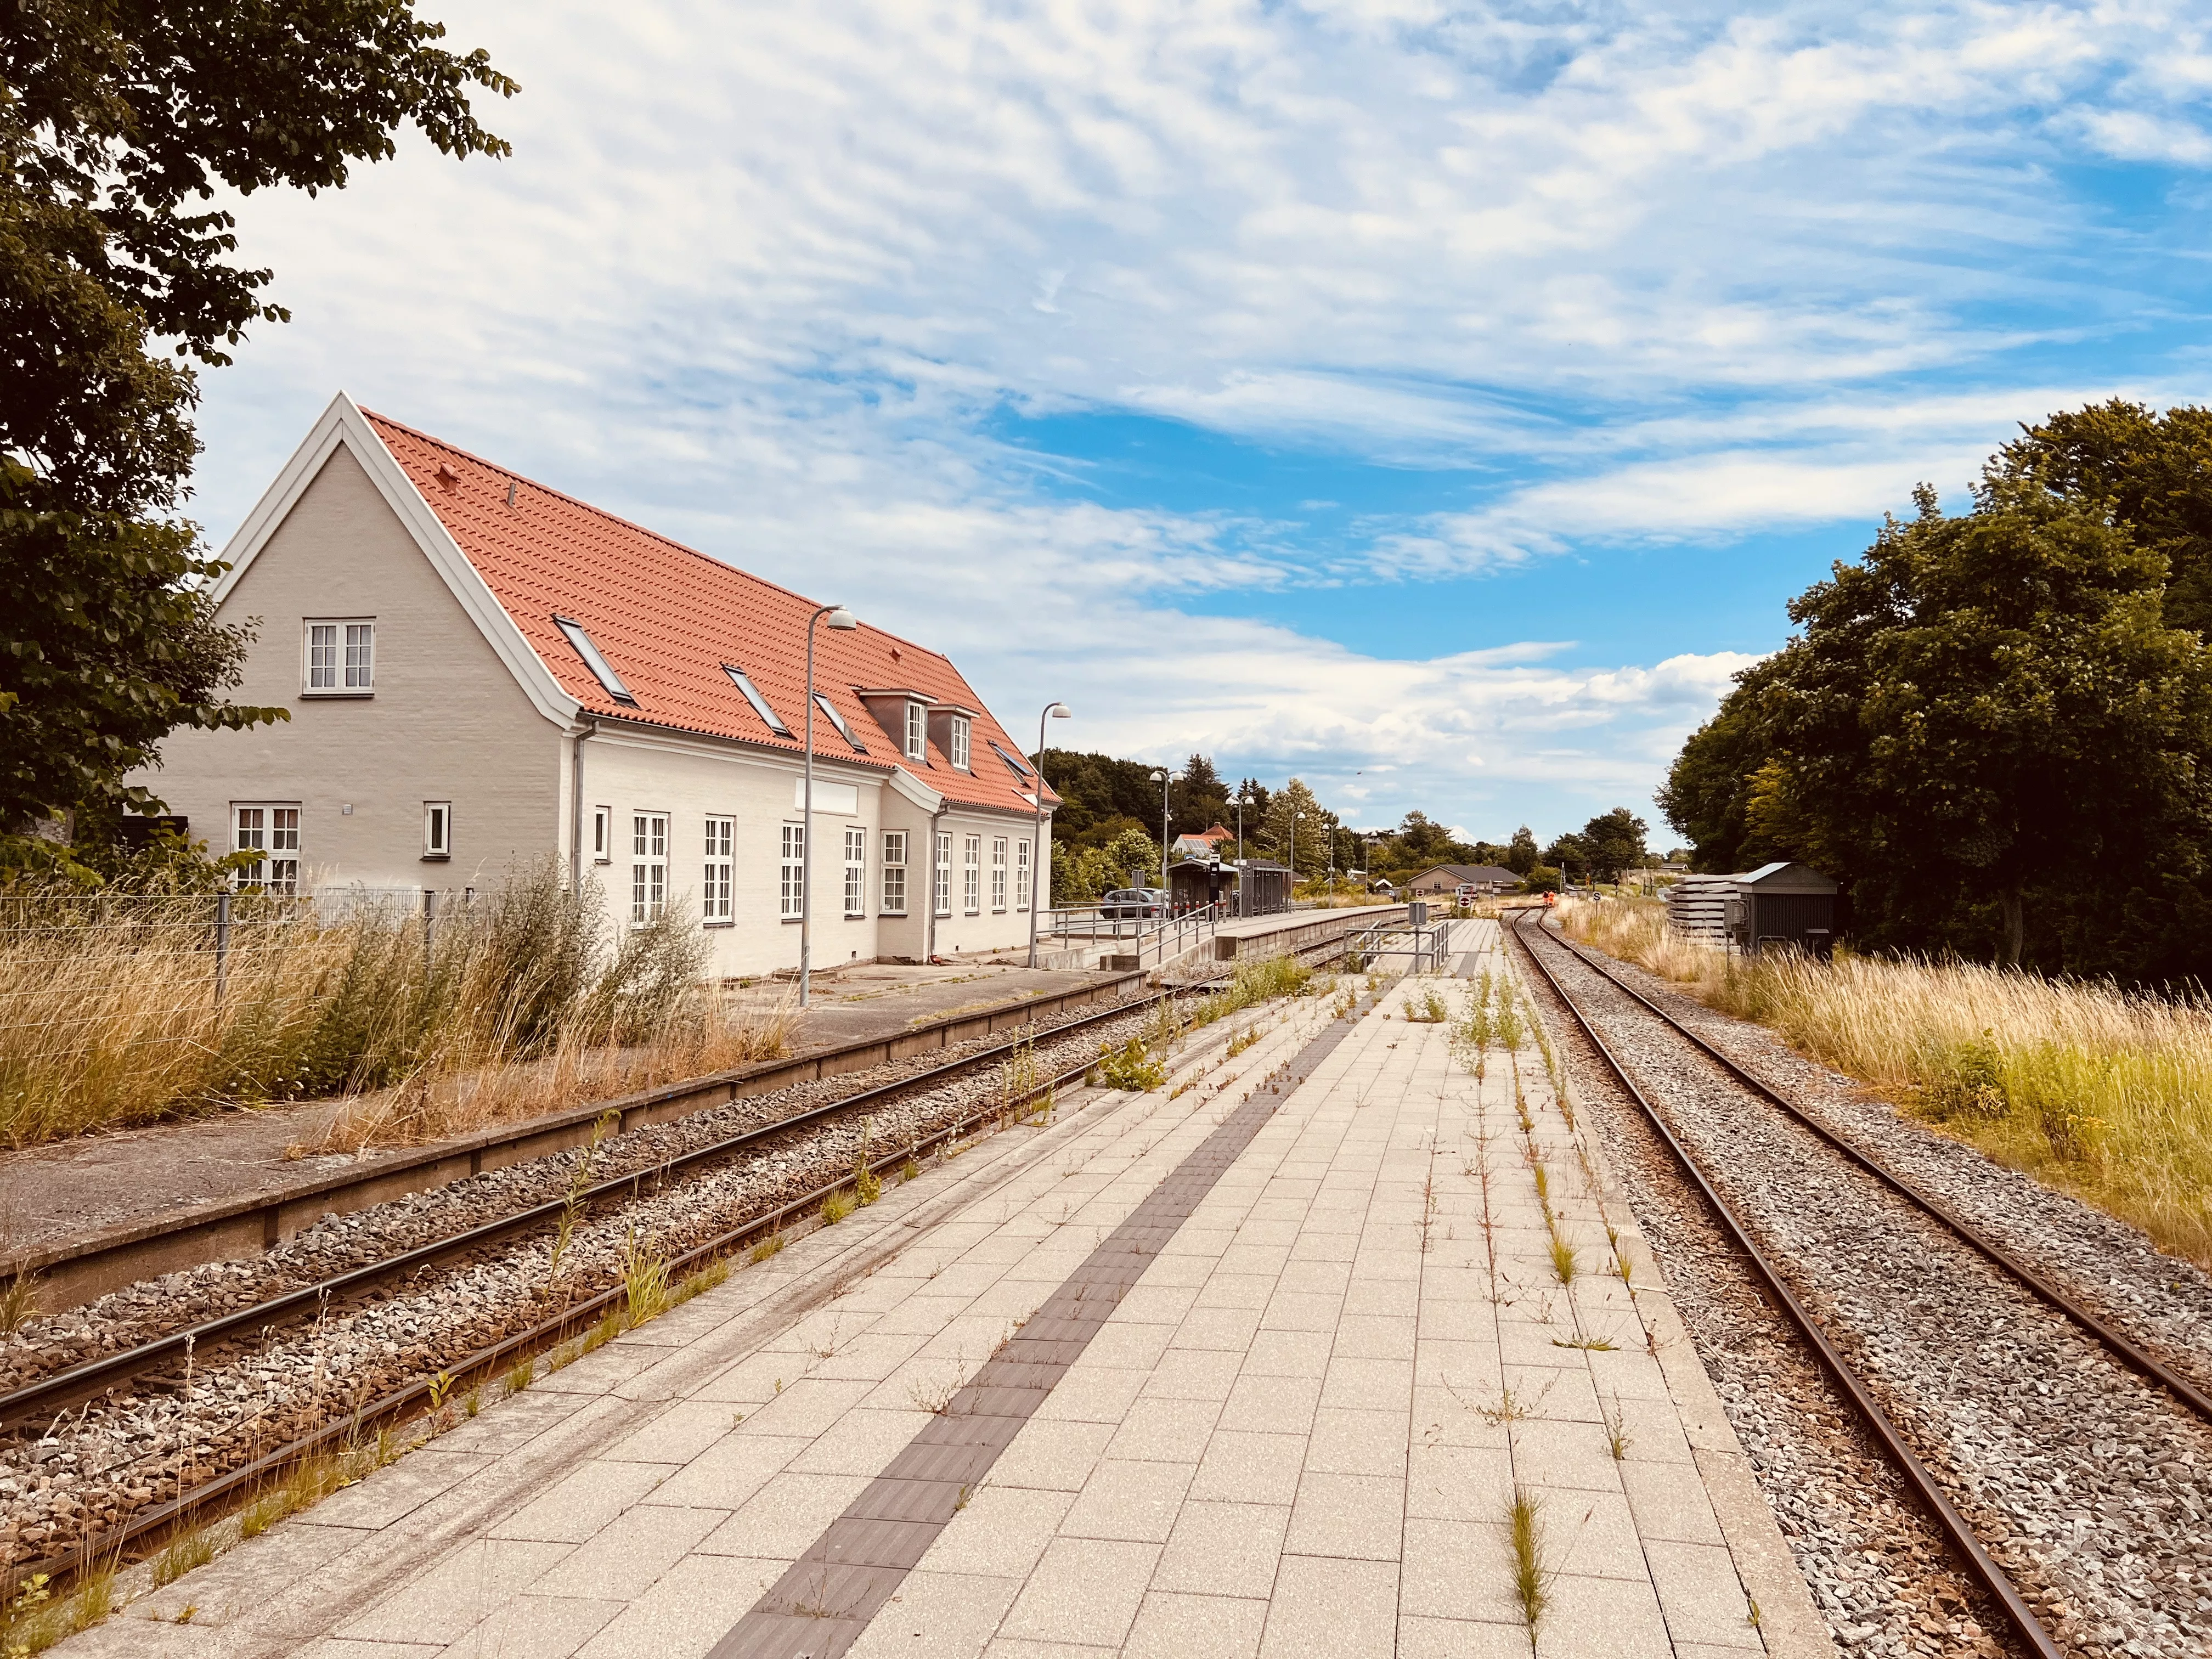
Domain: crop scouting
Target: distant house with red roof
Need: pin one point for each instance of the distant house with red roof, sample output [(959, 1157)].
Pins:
[(482, 673), (1203, 845)]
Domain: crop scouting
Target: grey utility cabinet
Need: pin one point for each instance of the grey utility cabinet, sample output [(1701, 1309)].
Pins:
[(1792, 905)]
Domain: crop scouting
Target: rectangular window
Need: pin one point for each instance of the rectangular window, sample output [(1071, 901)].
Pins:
[(856, 872), (714, 888), (1015, 764), (1022, 875), (960, 742), (602, 669), (603, 835), (341, 658), (838, 720), (648, 868), (769, 717), (894, 873), (272, 833), (917, 732), (793, 891), (998, 872), (941, 878), (437, 829), (971, 878)]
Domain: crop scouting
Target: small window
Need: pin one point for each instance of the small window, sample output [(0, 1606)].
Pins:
[(1015, 763), (856, 872), (998, 872), (971, 879), (600, 667), (793, 889), (603, 835), (960, 742), (838, 721), (341, 658), (272, 834), (1022, 875), (437, 829), (648, 868), (941, 876), (917, 732), (714, 886), (894, 873), (769, 718)]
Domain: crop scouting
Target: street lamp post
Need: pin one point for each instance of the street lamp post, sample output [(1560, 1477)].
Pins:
[(1058, 711), (842, 620), (1163, 778), (1293, 901)]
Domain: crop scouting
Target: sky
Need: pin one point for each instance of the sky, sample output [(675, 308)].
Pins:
[(1439, 403)]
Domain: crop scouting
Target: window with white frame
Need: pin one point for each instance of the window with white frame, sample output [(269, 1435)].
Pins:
[(1022, 875), (894, 873), (971, 877), (917, 732), (341, 657), (437, 829), (648, 866), (941, 878), (603, 835), (998, 872), (856, 872), (271, 834), (960, 741), (792, 893), (714, 887)]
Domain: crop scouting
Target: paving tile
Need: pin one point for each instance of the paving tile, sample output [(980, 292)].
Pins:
[(1177, 1626), (537, 1628), (1670, 1502), (628, 1554), (678, 1433), (1082, 1590), (1459, 1483), (1271, 1405), (1129, 1500), (1332, 1609), (1171, 1430), (1229, 1328), (399, 1489), (1001, 1533), (1701, 1595), (584, 1502), (1459, 1570), (1609, 1616), (458, 1594), (1369, 1384), (1053, 1454), (1244, 1467), (1093, 1394), (1352, 1515), (1358, 1442), (1565, 1455), (1288, 1353), (687, 1611), (785, 1516), (1193, 1374), (1224, 1549), (1460, 1638), (728, 1474), (861, 1442)]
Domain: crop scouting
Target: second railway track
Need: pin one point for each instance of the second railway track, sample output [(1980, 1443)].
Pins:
[(2069, 1464)]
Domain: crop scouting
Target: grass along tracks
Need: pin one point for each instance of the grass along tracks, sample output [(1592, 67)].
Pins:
[(241, 1410), (2085, 1483)]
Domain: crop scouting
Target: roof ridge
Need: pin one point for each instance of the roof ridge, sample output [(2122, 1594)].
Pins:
[(631, 523)]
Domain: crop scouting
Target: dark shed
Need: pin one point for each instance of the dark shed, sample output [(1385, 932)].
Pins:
[(1788, 904), (1262, 888)]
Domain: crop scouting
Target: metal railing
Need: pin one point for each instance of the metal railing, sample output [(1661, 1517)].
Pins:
[(1154, 938), (1426, 945)]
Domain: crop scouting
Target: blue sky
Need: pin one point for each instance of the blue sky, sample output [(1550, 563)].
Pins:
[(1438, 402)]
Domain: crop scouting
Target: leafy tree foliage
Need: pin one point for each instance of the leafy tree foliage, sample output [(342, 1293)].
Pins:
[(1521, 855), (119, 120), (1198, 799), (1614, 841), (1988, 731)]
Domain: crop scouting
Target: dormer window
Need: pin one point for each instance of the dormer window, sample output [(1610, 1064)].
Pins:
[(917, 732), (602, 669), (960, 742)]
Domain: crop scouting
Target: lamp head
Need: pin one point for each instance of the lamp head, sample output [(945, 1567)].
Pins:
[(1158, 776), (843, 620), (1060, 711)]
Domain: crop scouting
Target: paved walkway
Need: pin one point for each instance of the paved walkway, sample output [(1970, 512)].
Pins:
[(1258, 1366)]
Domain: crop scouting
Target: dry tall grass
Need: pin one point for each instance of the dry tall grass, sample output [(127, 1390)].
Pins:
[(2101, 1092), (110, 1014)]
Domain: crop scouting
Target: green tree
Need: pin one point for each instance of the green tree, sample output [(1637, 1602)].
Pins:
[(1568, 854), (1424, 841), (1615, 842), (1707, 794), (1521, 855), (1198, 799), (1314, 825), (119, 120)]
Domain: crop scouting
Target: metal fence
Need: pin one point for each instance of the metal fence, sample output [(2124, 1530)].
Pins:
[(1152, 940)]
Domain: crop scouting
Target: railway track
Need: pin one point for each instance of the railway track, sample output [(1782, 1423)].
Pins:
[(208, 1344), (1904, 1399)]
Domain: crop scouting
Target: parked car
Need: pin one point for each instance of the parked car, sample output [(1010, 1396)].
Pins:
[(1133, 904)]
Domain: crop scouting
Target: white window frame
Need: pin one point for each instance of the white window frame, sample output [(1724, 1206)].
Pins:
[(648, 867), (603, 835), (856, 871), (998, 874), (271, 829), (1025, 877), (971, 875), (437, 829), (941, 875), (791, 890), (343, 664), (717, 870), (960, 742), (917, 732), (894, 873)]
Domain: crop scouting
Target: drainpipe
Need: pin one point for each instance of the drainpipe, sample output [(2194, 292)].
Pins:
[(577, 806)]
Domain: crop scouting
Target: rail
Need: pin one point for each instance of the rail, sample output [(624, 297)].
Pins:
[(1955, 1525)]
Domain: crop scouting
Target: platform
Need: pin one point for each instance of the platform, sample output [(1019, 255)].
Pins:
[(1255, 1367)]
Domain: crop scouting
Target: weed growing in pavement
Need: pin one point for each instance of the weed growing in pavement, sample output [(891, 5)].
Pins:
[(440, 1386), (1240, 1040), (910, 1169), (1564, 1264), (932, 1396), (1533, 1574), (472, 1401), (645, 1281), (519, 1376), (836, 1207), (1429, 1008), (190, 1610), (19, 1304), (1130, 1067), (186, 1550), (1617, 1439), (1509, 1026), (868, 1187), (767, 1248), (1590, 1344), (716, 1271)]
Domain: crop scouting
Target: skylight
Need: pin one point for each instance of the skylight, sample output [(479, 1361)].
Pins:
[(598, 664), (1014, 762), (838, 721), (768, 716)]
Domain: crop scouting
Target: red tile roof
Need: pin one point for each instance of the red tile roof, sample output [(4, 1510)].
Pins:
[(668, 618)]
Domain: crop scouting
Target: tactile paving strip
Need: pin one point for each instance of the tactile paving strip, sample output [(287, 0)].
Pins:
[(820, 1605)]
